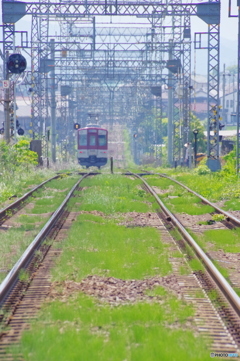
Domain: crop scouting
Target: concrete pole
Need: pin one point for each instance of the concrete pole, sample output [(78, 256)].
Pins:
[(170, 110), (53, 104), (190, 155), (234, 108), (6, 114), (14, 112), (224, 86), (14, 101), (6, 101), (238, 96)]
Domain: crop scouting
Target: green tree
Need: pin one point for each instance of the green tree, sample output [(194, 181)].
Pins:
[(195, 123), (233, 69)]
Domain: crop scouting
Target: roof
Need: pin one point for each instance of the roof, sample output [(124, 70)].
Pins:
[(199, 78), (199, 107)]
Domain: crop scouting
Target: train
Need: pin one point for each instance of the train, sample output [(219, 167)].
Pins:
[(92, 144)]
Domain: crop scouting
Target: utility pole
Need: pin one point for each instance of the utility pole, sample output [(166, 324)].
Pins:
[(53, 104), (234, 109), (6, 113), (170, 109), (238, 95), (14, 101), (224, 84), (6, 100), (224, 94)]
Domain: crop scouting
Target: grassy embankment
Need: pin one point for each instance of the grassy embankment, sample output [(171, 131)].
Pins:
[(20, 171), (76, 326)]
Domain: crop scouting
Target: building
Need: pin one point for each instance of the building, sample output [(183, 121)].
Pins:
[(230, 109)]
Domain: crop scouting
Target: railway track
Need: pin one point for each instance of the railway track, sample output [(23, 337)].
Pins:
[(224, 221), (8, 211), (19, 221), (11, 209), (217, 319), (212, 279), (228, 216), (20, 298)]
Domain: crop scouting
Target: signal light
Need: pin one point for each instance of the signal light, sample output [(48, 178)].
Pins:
[(16, 63), (77, 126), (20, 131)]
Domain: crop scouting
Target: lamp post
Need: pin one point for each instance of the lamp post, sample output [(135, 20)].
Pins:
[(195, 133)]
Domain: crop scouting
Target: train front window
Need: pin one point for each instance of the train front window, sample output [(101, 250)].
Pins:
[(92, 140), (102, 140), (83, 138)]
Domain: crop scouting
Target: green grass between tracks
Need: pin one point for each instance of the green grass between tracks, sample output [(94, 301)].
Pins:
[(13, 243), (22, 230), (111, 250), (215, 186), (49, 197), (232, 205), (79, 327), (178, 199), (113, 194), (83, 330), (224, 239)]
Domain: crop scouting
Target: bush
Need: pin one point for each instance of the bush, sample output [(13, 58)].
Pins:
[(12, 156), (202, 170), (17, 165), (24, 155), (229, 167)]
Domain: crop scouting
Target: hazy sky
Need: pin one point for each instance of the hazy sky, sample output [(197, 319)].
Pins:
[(228, 39), (228, 26)]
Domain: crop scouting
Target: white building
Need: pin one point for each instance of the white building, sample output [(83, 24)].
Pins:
[(229, 115)]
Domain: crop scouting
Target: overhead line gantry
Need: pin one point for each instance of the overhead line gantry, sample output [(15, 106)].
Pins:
[(209, 12)]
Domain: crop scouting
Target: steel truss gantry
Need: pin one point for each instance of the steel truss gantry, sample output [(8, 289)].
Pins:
[(238, 95), (114, 8), (111, 62), (177, 19), (149, 10), (210, 13), (8, 44)]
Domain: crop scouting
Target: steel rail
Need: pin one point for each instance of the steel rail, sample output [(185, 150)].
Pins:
[(228, 215), (217, 276), (12, 277), (13, 205)]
